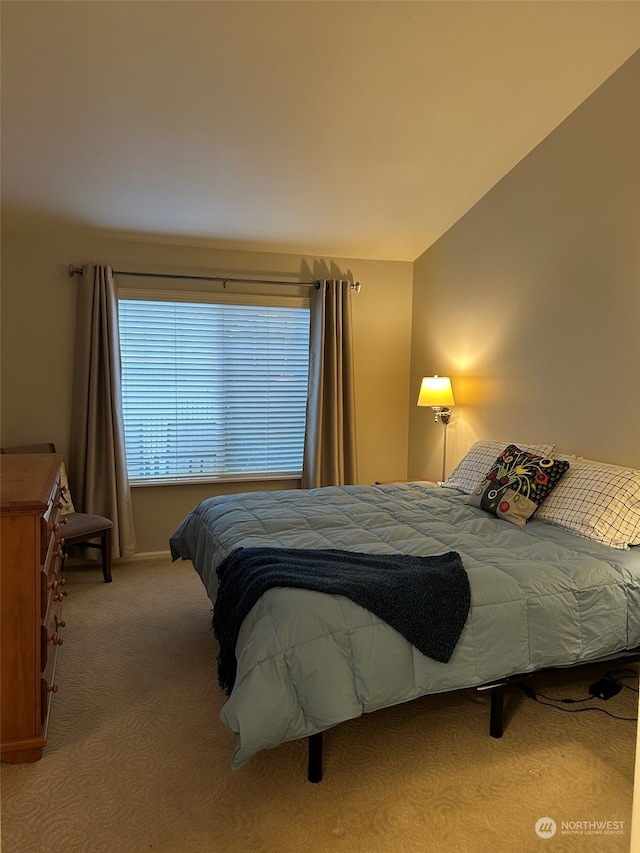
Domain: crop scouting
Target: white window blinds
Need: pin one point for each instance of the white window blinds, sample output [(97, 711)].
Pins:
[(214, 390)]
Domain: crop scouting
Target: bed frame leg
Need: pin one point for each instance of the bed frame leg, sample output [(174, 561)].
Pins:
[(314, 768), (496, 719)]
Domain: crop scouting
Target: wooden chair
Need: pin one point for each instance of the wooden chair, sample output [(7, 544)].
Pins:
[(80, 527)]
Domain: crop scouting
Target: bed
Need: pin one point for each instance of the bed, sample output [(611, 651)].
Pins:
[(541, 595)]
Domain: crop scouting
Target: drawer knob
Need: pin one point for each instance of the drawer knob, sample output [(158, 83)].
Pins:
[(52, 688), (60, 623), (53, 585), (56, 639)]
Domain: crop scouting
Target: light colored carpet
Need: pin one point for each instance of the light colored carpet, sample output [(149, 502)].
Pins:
[(137, 760)]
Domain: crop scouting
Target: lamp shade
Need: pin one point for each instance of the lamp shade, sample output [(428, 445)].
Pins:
[(436, 391)]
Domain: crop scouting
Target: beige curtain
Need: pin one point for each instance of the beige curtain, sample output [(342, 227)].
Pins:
[(330, 438), (98, 471)]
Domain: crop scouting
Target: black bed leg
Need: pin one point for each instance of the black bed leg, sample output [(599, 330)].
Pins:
[(497, 709), (314, 770)]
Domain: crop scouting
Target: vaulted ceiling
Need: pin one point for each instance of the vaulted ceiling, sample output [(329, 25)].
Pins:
[(353, 129)]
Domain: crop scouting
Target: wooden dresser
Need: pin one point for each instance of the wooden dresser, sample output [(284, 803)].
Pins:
[(31, 596)]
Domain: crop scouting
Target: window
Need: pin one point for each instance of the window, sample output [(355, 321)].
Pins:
[(213, 389)]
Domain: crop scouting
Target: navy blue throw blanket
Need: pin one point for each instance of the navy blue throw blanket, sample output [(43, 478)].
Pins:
[(426, 599)]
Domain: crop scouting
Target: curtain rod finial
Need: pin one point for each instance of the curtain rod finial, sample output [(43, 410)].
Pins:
[(74, 271)]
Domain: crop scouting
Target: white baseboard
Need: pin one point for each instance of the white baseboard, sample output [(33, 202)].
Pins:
[(147, 555), (141, 555)]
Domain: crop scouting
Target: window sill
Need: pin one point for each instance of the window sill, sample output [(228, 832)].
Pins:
[(197, 481)]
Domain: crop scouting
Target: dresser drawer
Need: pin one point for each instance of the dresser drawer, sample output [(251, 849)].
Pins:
[(52, 542), (51, 523), (52, 587), (47, 684), (51, 636), (53, 593), (46, 692)]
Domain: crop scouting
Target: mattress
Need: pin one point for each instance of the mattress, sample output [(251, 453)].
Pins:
[(540, 597)]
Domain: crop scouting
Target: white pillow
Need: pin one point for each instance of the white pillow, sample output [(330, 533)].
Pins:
[(480, 459), (597, 501)]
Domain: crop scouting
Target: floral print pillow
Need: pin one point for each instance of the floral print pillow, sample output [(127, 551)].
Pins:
[(517, 484)]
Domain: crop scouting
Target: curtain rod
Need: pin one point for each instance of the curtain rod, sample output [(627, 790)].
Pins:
[(224, 279)]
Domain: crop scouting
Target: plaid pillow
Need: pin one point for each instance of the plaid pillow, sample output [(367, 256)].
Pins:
[(517, 484), (597, 501), (480, 458)]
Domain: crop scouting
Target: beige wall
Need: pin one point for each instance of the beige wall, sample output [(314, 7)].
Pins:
[(38, 315), (531, 302)]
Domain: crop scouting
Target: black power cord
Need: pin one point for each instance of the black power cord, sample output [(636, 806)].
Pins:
[(528, 690), (623, 673)]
